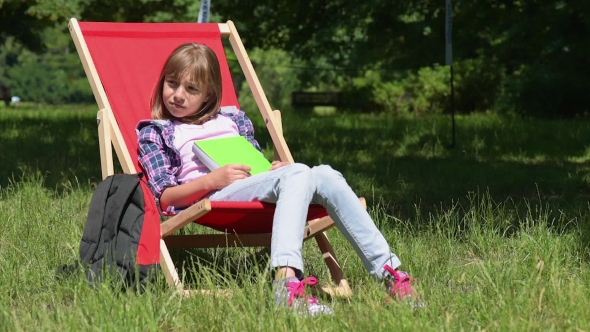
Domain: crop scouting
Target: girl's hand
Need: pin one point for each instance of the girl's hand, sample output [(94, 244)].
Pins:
[(228, 174), (278, 164)]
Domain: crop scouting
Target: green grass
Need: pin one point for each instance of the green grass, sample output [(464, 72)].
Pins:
[(496, 229)]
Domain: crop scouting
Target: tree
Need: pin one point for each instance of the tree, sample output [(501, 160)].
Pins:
[(25, 20), (528, 47), (515, 49)]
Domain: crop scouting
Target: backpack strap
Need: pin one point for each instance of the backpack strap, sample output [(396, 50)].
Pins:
[(127, 185)]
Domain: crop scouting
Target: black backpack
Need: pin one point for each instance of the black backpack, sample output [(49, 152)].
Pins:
[(121, 238)]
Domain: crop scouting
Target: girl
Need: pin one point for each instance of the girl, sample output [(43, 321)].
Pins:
[(185, 108)]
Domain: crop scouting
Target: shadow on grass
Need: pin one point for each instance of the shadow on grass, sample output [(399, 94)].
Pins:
[(227, 264), (64, 150), (405, 162), (400, 164)]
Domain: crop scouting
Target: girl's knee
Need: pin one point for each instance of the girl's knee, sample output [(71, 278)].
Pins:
[(297, 168), (329, 184), (299, 174), (326, 172)]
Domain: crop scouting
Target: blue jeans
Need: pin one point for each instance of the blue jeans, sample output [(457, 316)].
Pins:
[(293, 188)]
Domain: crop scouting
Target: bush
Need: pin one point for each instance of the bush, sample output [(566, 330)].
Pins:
[(54, 77), (33, 81), (476, 82), (424, 91), (277, 75), (543, 91)]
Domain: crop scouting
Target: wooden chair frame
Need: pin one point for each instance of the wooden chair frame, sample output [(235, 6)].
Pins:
[(110, 136)]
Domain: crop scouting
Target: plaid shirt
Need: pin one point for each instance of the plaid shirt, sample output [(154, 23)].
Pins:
[(159, 158)]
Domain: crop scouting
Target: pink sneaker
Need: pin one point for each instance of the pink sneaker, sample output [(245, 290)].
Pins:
[(291, 293), (399, 287)]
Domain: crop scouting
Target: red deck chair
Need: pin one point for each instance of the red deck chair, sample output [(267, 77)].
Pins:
[(122, 62)]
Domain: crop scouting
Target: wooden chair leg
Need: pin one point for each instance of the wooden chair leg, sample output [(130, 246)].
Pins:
[(342, 288), (104, 140), (316, 227), (168, 267), (174, 281)]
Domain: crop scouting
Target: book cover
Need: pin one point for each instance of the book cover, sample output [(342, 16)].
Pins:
[(218, 152)]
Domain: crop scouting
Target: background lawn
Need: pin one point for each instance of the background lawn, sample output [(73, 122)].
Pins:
[(496, 229)]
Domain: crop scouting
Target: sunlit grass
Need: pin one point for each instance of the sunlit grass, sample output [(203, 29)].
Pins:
[(479, 266), (496, 230)]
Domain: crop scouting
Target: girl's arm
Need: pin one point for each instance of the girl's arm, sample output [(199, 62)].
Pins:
[(186, 194), (244, 124), (159, 168), (154, 160), (161, 179)]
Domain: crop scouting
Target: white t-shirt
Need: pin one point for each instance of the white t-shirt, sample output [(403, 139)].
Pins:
[(184, 136)]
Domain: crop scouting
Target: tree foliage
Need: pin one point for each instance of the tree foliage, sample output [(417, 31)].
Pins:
[(528, 47), (54, 76), (25, 20), (528, 56)]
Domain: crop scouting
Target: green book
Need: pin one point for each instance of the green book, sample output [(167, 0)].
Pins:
[(218, 152)]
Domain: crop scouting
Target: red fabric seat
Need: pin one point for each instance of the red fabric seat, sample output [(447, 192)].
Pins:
[(247, 217)]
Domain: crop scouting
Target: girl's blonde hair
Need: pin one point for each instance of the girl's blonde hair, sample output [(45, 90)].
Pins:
[(201, 63)]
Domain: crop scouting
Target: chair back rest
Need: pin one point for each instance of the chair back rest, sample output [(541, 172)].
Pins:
[(129, 57)]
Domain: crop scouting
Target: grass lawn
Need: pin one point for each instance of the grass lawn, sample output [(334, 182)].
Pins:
[(496, 230)]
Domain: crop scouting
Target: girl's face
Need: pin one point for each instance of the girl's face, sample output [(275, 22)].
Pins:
[(181, 97)]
